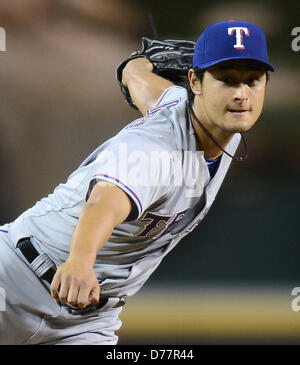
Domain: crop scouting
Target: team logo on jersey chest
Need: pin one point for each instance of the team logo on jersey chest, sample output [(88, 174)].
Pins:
[(239, 33), (157, 224)]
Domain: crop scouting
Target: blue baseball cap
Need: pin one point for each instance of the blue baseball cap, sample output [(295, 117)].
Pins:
[(231, 40)]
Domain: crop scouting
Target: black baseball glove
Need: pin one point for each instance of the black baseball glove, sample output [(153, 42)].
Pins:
[(171, 59)]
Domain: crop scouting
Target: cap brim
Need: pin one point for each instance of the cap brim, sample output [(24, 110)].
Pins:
[(268, 66)]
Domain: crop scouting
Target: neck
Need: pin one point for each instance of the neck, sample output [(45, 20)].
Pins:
[(209, 138)]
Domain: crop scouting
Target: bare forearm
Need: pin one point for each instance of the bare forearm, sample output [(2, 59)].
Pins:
[(144, 86), (107, 207), (91, 233), (75, 281)]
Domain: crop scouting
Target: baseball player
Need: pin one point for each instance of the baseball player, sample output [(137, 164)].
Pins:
[(68, 263)]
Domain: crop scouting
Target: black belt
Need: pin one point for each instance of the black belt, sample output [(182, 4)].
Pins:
[(30, 253)]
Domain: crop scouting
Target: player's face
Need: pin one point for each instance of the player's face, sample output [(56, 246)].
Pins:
[(232, 95)]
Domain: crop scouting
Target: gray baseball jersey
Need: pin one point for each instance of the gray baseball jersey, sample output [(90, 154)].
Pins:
[(157, 162)]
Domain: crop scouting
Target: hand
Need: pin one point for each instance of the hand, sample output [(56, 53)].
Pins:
[(75, 284)]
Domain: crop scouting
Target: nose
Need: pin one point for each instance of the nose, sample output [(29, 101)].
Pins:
[(241, 93)]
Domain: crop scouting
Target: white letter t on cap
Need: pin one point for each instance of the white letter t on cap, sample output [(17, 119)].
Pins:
[(238, 36)]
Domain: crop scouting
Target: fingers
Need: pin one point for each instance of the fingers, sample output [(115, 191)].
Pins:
[(55, 285), (60, 288), (88, 295), (64, 290), (71, 291), (94, 295)]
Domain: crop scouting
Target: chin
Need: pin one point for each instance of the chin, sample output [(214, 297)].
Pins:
[(243, 128), (238, 126)]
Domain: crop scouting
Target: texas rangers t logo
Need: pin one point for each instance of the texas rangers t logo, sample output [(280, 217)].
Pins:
[(239, 31)]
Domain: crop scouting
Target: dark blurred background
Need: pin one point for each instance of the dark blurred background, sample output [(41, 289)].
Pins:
[(231, 279)]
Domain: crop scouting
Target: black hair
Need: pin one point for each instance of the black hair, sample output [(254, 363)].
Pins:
[(200, 75)]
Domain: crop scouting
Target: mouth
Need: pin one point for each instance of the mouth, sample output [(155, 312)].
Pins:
[(238, 111)]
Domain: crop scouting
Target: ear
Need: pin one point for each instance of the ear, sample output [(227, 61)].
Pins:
[(195, 83)]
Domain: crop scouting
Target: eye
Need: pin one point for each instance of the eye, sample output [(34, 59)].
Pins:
[(254, 79), (227, 80), (251, 81)]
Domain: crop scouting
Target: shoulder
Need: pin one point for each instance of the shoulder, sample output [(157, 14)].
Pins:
[(154, 129), (171, 96), (160, 126)]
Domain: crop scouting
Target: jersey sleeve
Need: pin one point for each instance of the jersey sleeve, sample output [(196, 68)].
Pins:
[(169, 97), (139, 164)]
